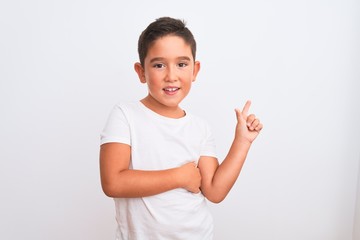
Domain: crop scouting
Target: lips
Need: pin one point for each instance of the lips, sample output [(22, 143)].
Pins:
[(171, 90)]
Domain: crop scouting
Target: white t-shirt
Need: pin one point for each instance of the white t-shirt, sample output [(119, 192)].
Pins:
[(158, 143)]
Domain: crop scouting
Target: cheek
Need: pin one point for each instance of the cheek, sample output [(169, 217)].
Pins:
[(187, 86), (153, 83), (154, 76)]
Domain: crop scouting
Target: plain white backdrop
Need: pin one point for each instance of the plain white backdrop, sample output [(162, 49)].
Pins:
[(64, 64)]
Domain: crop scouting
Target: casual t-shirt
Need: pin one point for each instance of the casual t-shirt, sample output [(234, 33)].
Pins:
[(158, 143)]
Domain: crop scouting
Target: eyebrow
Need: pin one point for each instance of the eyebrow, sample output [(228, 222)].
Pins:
[(162, 59)]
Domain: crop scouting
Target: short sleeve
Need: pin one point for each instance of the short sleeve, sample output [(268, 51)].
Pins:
[(208, 147), (117, 128)]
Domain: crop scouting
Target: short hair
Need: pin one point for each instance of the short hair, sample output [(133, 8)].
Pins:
[(161, 27)]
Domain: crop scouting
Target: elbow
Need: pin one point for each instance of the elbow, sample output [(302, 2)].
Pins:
[(214, 195), (109, 190), (215, 199)]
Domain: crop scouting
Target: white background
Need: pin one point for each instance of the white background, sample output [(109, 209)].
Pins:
[(64, 64)]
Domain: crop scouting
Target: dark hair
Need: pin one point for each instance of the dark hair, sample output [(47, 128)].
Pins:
[(162, 27)]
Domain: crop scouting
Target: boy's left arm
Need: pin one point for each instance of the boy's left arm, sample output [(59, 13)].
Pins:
[(217, 180)]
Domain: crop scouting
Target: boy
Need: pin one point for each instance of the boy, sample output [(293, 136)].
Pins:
[(157, 161)]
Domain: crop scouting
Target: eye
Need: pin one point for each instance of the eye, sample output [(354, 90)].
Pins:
[(159, 65), (182, 64)]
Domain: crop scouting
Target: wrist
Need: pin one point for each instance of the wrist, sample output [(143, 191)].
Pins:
[(178, 177), (243, 141)]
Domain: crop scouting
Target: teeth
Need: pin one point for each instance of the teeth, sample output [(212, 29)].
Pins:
[(171, 89)]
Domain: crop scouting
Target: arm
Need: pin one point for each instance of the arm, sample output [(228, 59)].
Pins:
[(217, 180), (118, 180)]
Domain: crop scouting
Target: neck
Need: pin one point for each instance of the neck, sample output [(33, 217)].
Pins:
[(163, 110)]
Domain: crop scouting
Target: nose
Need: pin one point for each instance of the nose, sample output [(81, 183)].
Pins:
[(171, 75)]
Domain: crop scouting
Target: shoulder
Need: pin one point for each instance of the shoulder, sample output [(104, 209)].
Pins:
[(122, 112), (126, 107), (195, 117), (199, 121)]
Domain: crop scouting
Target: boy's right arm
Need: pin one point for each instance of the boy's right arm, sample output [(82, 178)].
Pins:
[(119, 181)]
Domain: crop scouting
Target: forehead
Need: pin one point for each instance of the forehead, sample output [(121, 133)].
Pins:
[(169, 47)]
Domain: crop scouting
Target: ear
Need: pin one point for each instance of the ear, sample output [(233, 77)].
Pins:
[(196, 70), (140, 72)]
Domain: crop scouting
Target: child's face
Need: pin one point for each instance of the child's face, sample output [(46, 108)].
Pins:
[(169, 70)]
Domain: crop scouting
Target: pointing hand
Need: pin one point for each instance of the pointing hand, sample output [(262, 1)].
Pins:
[(248, 126)]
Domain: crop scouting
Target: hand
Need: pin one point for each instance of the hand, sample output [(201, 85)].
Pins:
[(248, 126), (190, 177)]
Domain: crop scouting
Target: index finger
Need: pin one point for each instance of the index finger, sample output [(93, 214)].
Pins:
[(246, 107)]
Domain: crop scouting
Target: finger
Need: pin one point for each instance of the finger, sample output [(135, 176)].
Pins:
[(238, 114), (250, 119), (254, 124), (246, 107), (259, 127)]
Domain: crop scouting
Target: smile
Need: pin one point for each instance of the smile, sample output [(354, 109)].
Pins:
[(171, 89)]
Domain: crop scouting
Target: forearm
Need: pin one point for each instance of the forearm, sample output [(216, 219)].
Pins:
[(228, 171), (118, 180), (217, 180), (137, 183)]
